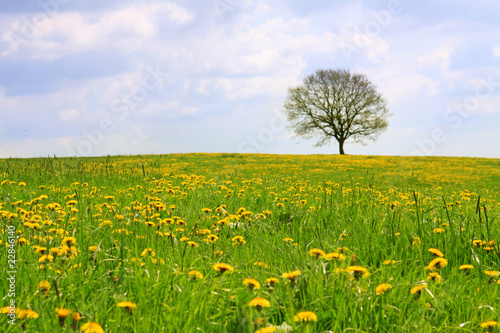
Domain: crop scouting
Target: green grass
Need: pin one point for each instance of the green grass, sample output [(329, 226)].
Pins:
[(371, 207)]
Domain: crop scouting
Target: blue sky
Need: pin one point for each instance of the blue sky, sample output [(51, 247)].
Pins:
[(153, 77)]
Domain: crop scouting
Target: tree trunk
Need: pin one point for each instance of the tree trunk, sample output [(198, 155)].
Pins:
[(341, 147)]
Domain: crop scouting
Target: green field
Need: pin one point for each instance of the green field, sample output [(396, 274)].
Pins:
[(314, 243)]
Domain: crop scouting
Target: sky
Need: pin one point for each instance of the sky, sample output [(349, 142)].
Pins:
[(123, 77)]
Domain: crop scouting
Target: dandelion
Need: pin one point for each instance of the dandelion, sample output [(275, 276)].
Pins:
[(417, 290), (358, 271), (305, 316), (478, 242), (237, 240), (383, 288), (492, 274), (206, 210), (192, 244), (127, 305), (435, 277), (251, 284), (9, 310), (416, 241), (268, 329), (334, 256), (30, 314), (92, 327), (291, 275), (195, 275), (438, 230), (62, 313), (148, 251), (43, 287), (288, 240), (69, 241), (436, 252), (92, 248), (259, 303), (222, 268), (490, 325), (212, 238), (466, 268), (272, 281), (317, 253), (76, 317), (183, 239), (436, 264), (47, 257)]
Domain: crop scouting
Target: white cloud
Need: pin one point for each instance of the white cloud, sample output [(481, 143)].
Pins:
[(496, 51), (127, 29), (190, 111), (69, 114)]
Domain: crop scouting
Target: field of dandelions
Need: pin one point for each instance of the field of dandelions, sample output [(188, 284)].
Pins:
[(250, 243)]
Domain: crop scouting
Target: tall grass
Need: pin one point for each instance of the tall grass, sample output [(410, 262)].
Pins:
[(379, 213)]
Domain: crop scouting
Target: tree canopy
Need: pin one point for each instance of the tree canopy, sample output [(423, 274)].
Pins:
[(335, 104)]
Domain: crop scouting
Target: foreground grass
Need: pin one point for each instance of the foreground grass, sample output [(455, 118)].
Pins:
[(151, 230)]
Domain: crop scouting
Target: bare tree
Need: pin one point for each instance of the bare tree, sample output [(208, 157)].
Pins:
[(336, 104)]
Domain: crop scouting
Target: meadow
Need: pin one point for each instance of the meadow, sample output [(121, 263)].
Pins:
[(250, 243)]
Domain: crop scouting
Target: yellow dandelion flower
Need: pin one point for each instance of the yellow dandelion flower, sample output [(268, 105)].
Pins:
[(222, 268), (192, 244), (417, 290), (272, 281), (69, 241), (62, 313), (30, 314), (438, 230), (212, 238), (435, 277), (334, 256), (76, 317), (43, 286), (305, 316), (9, 310), (92, 327), (195, 275), (268, 329), (237, 240), (251, 283), (183, 239), (127, 305), (490, 324), (466, 268), (92, 248), (316, 253), (259, 303), (389, 262), (383, 288), (436, 252), (358, 271), (436, 264), (288, 239), (47, 257), (291, 275), (206, 210), (147, 251)]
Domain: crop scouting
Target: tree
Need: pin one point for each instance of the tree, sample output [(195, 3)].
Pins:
[(336, 104)]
